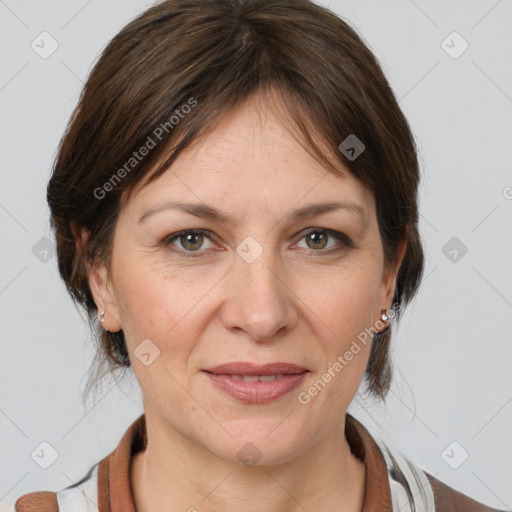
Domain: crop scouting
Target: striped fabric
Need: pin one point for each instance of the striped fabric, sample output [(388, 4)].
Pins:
[(393, 483)]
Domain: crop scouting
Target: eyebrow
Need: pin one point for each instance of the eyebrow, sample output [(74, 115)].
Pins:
[(207, 212)]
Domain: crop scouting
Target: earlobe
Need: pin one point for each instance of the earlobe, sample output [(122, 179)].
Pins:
[(100, 286), (391, 274), (388, 286)]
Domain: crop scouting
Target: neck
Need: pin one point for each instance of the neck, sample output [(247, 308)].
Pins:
[(173, 473)]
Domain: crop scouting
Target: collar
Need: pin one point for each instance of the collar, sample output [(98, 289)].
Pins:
[(114, 490)]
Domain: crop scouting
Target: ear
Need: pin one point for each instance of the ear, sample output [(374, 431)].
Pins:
[(100, 285), (389, 278)]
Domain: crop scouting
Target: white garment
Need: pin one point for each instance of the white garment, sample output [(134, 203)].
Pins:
[(410, 489), (79, 497), (82, 496), (409, 486)]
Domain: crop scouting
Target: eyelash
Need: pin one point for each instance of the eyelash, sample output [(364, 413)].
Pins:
[(347, 243)]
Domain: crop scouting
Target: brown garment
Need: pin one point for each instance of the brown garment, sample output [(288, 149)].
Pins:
[(114, 490)]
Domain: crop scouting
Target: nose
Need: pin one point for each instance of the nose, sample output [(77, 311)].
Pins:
[(260, 302)]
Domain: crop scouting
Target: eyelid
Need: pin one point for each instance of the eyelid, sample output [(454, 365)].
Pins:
[(338, 235), (178, 234), (346, 242)]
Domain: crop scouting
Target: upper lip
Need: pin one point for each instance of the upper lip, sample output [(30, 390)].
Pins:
[(247, 368)]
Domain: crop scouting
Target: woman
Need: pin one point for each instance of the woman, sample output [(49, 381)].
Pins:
[(236, 200)]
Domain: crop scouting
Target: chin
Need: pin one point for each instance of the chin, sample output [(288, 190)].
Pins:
[(252, 445)]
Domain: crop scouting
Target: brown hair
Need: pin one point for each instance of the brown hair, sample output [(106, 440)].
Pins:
[(212, 55)]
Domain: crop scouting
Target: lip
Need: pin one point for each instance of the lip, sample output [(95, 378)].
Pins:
[(248, 368), (256, 392)]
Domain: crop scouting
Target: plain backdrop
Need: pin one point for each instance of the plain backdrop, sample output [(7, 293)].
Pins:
[(452, 352)]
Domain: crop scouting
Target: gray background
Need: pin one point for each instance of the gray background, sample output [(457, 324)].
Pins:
[(452, 353)]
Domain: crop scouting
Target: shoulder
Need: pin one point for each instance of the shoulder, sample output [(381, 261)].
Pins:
[(43, 501), (79, 497), (449, 500), (413, 488)]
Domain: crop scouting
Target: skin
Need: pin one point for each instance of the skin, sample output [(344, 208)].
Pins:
[(296, 302)]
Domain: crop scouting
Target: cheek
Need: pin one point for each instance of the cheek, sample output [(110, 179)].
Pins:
[(158, 305), (343, 317), (157, 302), (169, 304), (345, 303), (344, 331)]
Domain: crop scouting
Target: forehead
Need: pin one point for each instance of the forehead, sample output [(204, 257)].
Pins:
[(251, 161)]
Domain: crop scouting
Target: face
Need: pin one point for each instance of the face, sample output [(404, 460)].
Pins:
[(258, 286)]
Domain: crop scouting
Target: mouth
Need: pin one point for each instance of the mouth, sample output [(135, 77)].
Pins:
[(256, 384), (246, 369)]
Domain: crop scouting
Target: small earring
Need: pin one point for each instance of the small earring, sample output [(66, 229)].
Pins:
[(383, 315), (101, 316)]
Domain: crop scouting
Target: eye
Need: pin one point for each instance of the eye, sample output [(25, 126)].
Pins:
[(317, 239), (191, 240)]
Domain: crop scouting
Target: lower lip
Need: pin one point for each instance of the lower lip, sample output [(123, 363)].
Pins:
[(257, 392)]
